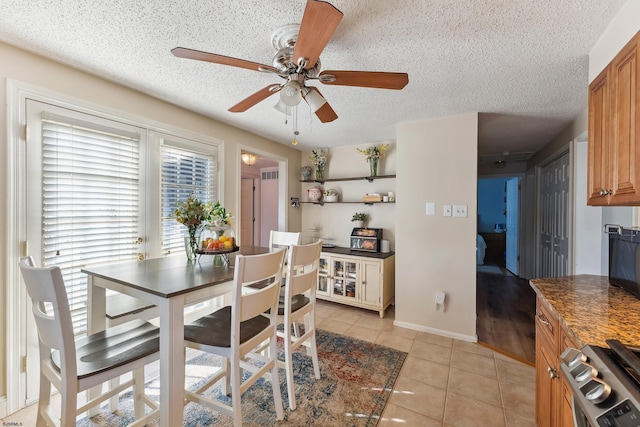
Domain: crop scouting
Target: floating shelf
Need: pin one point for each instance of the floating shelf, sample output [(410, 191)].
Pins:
[(356, 178)]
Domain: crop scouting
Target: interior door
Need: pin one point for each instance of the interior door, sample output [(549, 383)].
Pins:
[(247, 212), (553, 252), (513, 253)]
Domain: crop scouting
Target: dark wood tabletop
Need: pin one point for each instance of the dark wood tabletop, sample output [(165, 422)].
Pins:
[(171, 275)]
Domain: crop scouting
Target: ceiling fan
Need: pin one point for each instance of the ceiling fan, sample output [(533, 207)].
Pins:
[(297, 61)]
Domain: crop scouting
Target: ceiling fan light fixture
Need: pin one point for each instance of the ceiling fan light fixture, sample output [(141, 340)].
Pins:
[(290, 94), (283, 108), (314, 99), (249, 158)]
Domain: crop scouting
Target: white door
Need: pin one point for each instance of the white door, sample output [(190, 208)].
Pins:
[(513, 253), (553, 227), (85, 204), (247, 212)]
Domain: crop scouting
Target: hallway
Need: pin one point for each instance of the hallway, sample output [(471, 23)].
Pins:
[(505, 307)]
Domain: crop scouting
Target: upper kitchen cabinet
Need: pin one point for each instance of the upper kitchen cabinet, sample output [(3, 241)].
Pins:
[(614, 141)]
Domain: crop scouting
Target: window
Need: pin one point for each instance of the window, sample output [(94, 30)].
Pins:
[(94, 196), (183, 172), (90, 201)]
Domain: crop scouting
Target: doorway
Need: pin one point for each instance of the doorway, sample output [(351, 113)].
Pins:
[(498, 224), (259, 199)]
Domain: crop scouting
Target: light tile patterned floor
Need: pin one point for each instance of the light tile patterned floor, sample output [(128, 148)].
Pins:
[(444, 382)]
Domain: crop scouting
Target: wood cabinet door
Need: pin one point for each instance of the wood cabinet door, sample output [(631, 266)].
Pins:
[(598, 145), (625, 157), (546, 383), (371, 284)]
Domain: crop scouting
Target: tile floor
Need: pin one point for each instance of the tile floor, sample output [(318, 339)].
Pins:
[(444, 382)]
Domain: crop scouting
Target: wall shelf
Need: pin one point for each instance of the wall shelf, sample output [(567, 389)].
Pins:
[(348, 202), (356, 178)]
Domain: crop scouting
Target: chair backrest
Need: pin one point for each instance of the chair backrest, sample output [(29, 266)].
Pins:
[(45, 285), (249, 270), (278, 239), (302, 269)]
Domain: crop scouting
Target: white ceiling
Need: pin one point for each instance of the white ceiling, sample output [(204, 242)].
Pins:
[(522, 64)]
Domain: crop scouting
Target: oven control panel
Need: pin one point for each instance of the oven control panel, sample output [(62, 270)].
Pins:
[(624, 414)]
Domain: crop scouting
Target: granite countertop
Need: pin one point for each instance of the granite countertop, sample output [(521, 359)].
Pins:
[(590, 309)]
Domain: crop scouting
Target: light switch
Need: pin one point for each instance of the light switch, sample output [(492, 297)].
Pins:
[(446, 210), (430, 208), (460, 211)]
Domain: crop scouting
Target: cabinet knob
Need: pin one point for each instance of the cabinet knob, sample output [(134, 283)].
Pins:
[(543, 320), (552, 372)]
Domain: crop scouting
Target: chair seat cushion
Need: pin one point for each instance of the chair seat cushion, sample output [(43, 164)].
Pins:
[(297, 302), (114, 347), (215, 329)]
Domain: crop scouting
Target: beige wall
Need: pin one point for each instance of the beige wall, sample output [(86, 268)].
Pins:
[(334, 220), (25, 67), (437, 162)]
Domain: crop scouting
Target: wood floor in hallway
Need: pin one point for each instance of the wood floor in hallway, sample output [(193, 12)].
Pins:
[(506, 307)]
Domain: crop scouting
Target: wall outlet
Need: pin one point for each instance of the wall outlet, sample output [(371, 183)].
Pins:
[(460, 211)]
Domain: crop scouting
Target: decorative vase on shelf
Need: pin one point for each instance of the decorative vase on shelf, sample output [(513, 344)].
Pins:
[(359, 224), (373, 166), (306, 173), (319, 173)]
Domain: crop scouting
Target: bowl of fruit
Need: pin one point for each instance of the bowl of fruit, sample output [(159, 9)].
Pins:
[(217, 240)]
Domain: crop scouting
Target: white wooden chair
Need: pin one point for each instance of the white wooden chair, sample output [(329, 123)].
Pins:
[(235, 331), (278, 239), (298, 307), (74, 366)]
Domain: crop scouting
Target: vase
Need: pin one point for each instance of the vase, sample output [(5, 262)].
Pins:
[(373, 167), (358, 224), (320, 173), (306, 173), (191, 241)]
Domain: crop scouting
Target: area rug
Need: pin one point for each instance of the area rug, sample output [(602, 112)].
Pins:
[(357, 379), (488, 269)]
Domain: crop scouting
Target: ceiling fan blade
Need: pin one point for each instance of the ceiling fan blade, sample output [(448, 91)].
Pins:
[(380, 80), (319, 22), (183, 52), (325, 113), (252, 100)]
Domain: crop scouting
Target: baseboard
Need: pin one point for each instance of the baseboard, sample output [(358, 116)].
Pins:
[(441, 332), (3, 406)]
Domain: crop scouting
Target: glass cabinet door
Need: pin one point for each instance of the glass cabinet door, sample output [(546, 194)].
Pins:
[(323, 276), (345, 278)]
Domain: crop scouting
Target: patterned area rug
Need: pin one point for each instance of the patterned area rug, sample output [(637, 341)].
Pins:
[(357, 378)]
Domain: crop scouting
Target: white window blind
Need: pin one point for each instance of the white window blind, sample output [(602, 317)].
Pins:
[(183, 172), (90, 201)]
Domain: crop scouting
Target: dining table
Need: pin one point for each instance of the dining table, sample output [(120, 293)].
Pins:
[(171, 283)]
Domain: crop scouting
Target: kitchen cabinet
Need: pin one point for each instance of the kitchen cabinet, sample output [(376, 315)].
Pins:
[(350, 198), (365, 280), (613, 173), (553, 395)]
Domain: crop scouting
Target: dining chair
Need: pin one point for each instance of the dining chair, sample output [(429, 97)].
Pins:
[(298, 307), (74, 365), (278, 239), (235, 331)]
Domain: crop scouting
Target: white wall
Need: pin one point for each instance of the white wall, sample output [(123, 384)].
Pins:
[(619, 31), (437, 162)]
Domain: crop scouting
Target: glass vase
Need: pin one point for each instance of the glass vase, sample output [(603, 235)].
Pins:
[(373, 167), (191, 241), (319, 173)]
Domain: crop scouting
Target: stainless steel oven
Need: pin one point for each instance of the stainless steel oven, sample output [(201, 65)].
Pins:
[(605, 384)]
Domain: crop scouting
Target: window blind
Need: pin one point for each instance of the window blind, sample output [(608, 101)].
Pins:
[(90, 201), (183, 172)]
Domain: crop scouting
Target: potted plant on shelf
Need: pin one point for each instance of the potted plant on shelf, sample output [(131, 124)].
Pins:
[(359, 219)]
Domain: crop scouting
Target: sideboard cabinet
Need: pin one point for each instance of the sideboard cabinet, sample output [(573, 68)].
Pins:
[(359, 279)]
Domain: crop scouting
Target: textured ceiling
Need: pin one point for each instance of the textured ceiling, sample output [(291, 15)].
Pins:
[(522, 64)]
